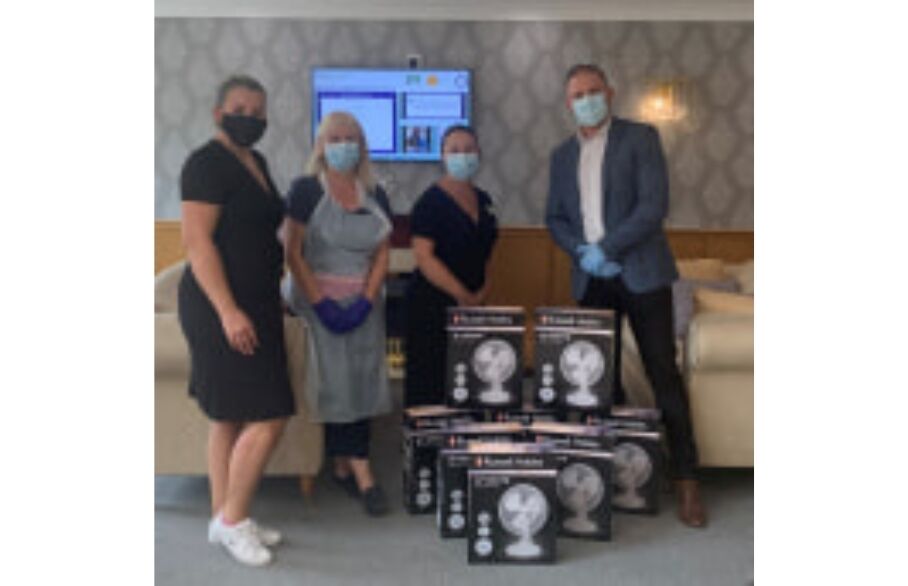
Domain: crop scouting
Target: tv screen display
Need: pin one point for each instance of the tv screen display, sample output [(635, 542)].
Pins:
[(404, 112)]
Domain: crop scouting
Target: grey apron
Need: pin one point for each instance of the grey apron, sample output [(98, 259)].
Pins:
[(346, 374)]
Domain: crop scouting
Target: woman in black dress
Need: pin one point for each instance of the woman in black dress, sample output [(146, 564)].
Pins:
[(231, 314), (454, 230)]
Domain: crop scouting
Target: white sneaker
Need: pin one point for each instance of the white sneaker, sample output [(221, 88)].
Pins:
[(268, 536), (243, 544)]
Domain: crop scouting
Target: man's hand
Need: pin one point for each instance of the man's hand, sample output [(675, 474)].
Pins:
[(608, 269), (591, 257), (594, 262)]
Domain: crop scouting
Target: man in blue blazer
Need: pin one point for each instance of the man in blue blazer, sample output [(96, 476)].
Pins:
[(608, 197)]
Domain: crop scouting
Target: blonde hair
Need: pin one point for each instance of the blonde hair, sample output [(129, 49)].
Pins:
[(317, 164)]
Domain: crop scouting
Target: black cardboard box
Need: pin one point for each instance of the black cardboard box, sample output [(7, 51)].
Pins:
[(420, 452), (484, 432), (451, 469), (643, 418), (637, 470), (513, 516), (526, 415), (584, 489), (485, 357), (571, 435), (454, 463), (439, 417), (575, 358)]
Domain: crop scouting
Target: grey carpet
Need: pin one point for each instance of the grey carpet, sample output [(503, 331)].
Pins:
[(331, 541)]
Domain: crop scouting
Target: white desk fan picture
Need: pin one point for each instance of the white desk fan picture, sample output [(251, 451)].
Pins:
[(633, 469), (580, 488), (494, 361), (582, 365), (523, 511)]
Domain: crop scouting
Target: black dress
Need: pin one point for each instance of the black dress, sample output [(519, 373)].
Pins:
[(464, 247), (230, 386)]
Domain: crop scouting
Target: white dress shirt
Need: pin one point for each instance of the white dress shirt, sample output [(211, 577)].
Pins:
[(589, 178)]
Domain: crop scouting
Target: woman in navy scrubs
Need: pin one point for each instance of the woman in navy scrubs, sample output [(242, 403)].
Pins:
[(454, 230)]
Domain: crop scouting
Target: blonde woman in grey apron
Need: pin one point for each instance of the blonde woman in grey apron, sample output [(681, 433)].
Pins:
[(337, 245)]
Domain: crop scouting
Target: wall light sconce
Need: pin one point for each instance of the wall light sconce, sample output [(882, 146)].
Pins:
[(665, 101)]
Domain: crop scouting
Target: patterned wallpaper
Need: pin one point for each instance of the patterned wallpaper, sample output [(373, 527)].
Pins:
[(518, 101)]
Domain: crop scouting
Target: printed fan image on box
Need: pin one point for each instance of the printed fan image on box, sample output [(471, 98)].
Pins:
[(574, 358), (513, 517), (637, 470), (584, 493), (634, 471), (523, 510), (581, 489), (484, 357), (491, 451)]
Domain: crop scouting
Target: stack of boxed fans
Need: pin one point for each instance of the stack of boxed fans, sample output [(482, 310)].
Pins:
[(510, 476)]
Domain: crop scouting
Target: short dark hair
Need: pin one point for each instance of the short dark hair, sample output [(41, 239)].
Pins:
[(585, 68), (457, 128), (235, 81)]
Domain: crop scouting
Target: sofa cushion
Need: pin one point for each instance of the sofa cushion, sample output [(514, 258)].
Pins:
[(171, 354), (721, 341), (166, 284), (702, 269), (683, 298), (743, 273), (706, 300)]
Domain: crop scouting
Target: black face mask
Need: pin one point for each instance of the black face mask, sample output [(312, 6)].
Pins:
[(244, 131)]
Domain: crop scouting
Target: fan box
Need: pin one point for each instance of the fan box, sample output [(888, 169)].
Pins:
[(454, 463), (526, 416), (420, 452), (626, 416), (584, 490), (513, 516), (637, 470), (505, 432), (439, 417), (420, 455), (485, 357), (571, 435), (575, 358)]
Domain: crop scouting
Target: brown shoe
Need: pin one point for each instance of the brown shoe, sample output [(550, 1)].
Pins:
[(690, 509)]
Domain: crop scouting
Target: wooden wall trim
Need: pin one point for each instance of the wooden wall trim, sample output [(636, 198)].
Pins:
[(728, 245), (531, 248)]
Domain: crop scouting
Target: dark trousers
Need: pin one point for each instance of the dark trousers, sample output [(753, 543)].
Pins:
[(651, 321), (347, 440)]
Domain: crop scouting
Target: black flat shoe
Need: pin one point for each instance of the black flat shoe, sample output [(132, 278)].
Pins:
[(375, 502), (348, 483)]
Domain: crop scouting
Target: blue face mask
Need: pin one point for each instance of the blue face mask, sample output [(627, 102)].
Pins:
[(462, 166), (342, 156), (590, 110)]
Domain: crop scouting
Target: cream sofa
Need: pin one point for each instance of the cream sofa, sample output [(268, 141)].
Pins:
[(717, 358), (180, 426)]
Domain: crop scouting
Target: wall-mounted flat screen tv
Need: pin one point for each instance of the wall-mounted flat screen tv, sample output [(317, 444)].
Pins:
[(404, 112)]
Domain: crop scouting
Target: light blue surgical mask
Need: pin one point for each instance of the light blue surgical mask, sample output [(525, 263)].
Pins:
[(342, 156), (462, 166), (590, 110)]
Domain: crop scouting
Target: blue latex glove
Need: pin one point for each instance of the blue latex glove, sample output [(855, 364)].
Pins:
[(331, 315), (356, 313), (591, 257), (607, 269), (594, 262)]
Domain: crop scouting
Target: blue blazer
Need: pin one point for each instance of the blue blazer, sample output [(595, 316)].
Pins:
[(635, 203)]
